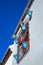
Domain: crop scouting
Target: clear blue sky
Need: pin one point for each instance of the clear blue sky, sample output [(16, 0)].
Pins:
[(10, 13)]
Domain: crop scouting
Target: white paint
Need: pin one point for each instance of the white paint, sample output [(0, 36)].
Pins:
[(18, 33), (13, 48), (26, 19)]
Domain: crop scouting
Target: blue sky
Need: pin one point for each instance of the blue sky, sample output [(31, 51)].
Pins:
[(10, 13)]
